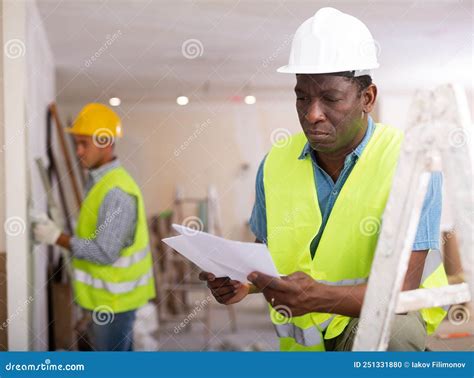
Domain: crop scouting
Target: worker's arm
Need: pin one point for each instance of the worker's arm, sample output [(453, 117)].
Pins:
[(115, 230), (116, 224), (64, 241), (347, 300), (301, 294)]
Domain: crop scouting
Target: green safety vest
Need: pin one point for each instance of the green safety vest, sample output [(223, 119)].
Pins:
[(128, 283), (346, 249)]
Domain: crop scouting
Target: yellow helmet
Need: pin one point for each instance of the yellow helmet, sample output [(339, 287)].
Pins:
[(96, 119)]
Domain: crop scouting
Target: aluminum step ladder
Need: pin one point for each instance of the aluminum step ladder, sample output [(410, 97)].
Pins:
[(438, 138)]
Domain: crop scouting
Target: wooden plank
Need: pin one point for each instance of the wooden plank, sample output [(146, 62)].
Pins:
[(67, 156), (3, 302), (63, 315), (54, 172)]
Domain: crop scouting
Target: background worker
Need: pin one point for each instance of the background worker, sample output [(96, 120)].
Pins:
[(320, 198), (111, 260)]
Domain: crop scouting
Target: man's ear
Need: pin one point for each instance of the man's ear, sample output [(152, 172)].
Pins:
[(369, 97)]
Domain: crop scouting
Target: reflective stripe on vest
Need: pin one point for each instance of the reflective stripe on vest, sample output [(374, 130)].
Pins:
[(432, 262), (112, 287), (308, 337), (312, 336), (127, 261), (126, 284), (355, 281)]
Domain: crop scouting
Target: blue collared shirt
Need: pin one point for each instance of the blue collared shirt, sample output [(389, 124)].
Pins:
[(427, 236)]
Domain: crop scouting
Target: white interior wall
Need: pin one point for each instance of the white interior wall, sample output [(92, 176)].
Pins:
[(40, 93), (2, 148), (166, 145), (160, 150), (29, 75), (19, 285)]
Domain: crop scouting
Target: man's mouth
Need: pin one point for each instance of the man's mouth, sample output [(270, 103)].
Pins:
[(318, 136), (317, 133)]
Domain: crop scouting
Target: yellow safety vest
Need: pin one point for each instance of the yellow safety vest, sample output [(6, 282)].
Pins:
[(128, 283), (346, 249)]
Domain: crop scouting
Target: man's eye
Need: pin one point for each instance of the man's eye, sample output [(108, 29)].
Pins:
[(331, 99), (302, 98)]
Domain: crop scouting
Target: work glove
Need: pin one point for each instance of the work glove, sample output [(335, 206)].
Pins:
[(45, 230)]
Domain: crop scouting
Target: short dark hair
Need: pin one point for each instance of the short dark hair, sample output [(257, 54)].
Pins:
[(362, 82)]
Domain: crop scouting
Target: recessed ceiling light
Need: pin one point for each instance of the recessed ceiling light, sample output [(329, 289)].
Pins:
[(114, 101), (182, 100), (250, 100)]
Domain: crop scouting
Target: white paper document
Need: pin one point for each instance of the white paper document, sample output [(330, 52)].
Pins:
[(220, 256)]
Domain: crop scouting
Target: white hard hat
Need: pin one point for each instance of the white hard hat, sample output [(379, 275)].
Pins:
[(329, 42)]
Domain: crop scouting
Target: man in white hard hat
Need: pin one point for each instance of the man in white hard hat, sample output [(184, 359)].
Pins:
[(320, 197)]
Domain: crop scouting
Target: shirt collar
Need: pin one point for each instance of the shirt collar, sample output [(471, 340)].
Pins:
[(96, 174), (357, 152)]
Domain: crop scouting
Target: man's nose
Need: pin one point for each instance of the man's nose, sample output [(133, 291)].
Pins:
[(315, 113)]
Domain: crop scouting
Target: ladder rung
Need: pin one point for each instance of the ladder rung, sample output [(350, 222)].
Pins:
[(413, 300)]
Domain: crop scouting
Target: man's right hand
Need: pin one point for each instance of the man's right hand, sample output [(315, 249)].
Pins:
[(225, 290)]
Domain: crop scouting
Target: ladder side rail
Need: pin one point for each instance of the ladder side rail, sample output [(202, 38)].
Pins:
[(392, 255)]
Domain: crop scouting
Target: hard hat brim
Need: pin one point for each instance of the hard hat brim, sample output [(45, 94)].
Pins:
[(70, 130), (320, 70)]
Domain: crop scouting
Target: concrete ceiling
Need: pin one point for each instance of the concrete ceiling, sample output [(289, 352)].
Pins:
[(138, 45)]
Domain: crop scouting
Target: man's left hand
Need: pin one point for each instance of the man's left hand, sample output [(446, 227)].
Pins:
[(297, 291), (46, 231)]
